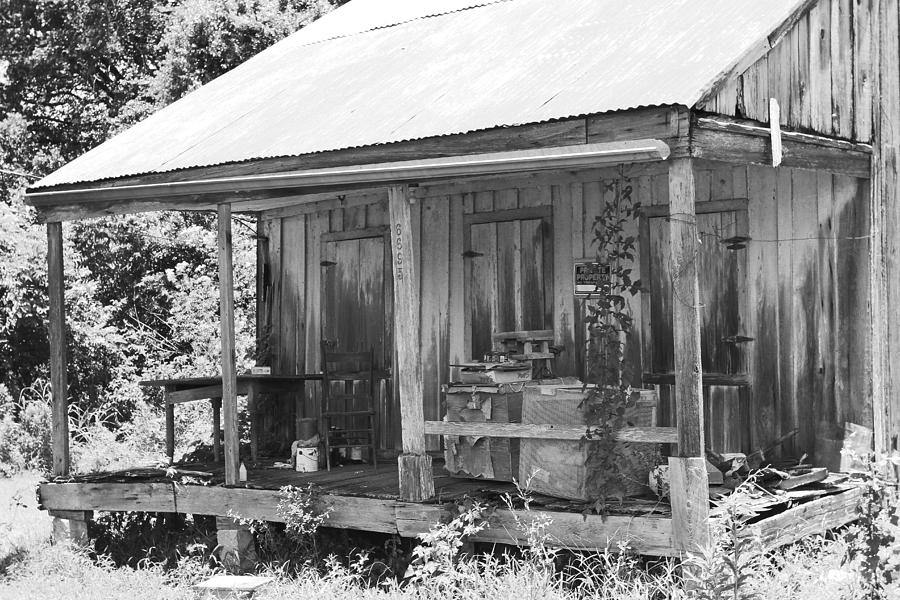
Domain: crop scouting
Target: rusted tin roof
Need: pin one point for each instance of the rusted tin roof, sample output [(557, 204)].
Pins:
[(382, 71)]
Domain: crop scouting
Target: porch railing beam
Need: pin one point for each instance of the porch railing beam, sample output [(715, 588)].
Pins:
[(229, 371), (57, 330)]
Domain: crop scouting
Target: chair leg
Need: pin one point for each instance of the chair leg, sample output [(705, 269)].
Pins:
[(170, 432), (374, 439), (217, 420), (327, 427)]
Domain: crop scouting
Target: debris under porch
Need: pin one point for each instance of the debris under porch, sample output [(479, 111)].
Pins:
[(360, 497)]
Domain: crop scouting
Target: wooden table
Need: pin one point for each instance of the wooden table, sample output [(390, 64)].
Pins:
[(189, 389)]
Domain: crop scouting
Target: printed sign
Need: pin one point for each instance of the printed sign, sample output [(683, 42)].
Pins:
[(591, 279)]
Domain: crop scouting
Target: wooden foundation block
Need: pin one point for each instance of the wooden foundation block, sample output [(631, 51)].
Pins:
[(236, 547), (70, 527), (416, 477), (689, 495)]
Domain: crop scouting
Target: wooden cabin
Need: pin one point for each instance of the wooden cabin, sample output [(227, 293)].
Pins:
[(427, 175)]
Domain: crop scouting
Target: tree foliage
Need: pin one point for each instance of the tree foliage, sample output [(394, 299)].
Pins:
[(141, 290)]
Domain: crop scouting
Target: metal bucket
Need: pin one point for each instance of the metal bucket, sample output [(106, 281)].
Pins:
[(307, 459)]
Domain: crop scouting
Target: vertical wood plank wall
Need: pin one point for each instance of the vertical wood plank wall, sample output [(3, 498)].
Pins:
[(821, 72), (804, 302)]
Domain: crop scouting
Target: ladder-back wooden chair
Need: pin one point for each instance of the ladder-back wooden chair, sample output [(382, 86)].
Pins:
[(353, 405)]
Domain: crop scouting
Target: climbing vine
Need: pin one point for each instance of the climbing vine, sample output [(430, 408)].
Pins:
[(610, 325)]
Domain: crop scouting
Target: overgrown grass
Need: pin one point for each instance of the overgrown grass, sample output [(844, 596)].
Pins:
[(23, 528)]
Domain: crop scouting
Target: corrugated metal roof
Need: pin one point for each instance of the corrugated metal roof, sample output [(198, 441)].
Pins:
[(356, 80)]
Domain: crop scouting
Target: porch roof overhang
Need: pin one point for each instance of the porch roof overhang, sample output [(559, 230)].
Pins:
[(206, 194)]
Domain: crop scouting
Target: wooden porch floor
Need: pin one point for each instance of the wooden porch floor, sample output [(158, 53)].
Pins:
[(366, 481)]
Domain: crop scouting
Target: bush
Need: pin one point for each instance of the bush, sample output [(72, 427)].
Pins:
[(99, 445), (25, 427)]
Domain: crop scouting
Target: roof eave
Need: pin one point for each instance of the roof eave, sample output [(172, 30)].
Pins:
[(372, 175)]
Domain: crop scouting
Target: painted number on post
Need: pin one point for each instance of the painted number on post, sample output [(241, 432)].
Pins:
[(399, 254)]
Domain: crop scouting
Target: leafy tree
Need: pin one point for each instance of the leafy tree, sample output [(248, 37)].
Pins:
[(71, 67), (206, 38), (141, 290)]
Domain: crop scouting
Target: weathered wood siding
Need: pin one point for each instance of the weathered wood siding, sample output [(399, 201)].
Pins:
[(821, 72), (497, 255)]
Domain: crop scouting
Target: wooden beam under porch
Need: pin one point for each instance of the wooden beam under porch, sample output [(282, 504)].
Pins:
[(362, 498)]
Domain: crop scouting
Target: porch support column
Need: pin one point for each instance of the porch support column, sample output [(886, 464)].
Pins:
[(229, 373), (416, 478), (57, 327), (884, 248), (689, 485)]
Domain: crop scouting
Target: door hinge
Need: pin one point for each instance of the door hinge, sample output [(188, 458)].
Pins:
[(737, 339), (737, 242)]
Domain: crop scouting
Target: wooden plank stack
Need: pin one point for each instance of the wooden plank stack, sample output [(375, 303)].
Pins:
[(525, 345)]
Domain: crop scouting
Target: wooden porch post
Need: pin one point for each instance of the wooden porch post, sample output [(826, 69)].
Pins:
[(416, 479), (884, 269), (689, 485), (57, 327), (229, 373)]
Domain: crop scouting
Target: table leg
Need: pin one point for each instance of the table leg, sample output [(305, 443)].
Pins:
[(216, 420), (254, 423), (170, 426)]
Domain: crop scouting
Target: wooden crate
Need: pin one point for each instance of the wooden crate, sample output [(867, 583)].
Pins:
[(557, 467), (482, 457)]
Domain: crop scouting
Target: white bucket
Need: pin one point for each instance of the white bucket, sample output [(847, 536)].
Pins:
[(307, 459)]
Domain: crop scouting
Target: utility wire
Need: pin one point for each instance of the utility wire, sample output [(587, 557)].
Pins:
[(19, 174)]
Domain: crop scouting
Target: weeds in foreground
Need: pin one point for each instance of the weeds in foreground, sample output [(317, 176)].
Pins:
[(291, 546), (435, 559), (725, 569), (140, 539), (873, 539)]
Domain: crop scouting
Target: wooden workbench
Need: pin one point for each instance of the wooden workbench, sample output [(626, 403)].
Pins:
[(189, 389)]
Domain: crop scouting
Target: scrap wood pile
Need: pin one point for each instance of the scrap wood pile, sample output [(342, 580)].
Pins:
[(771, 486)]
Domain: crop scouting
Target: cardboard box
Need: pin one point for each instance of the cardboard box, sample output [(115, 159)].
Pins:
[(559, 467), (483, 457)]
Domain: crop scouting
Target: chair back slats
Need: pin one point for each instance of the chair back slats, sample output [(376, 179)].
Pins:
[(351, 403)]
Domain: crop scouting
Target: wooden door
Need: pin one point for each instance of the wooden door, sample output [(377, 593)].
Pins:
[(357, 308), (721, 267), (508, 274)]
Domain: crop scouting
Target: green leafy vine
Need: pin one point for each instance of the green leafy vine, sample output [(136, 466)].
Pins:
[(610, 324)]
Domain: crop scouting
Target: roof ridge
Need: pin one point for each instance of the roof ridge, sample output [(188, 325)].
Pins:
[(419, 18)]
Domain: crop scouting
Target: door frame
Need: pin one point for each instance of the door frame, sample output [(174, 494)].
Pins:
[(712, 382), (380, 231), (739, 205), (544, 213), (387, 364)]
